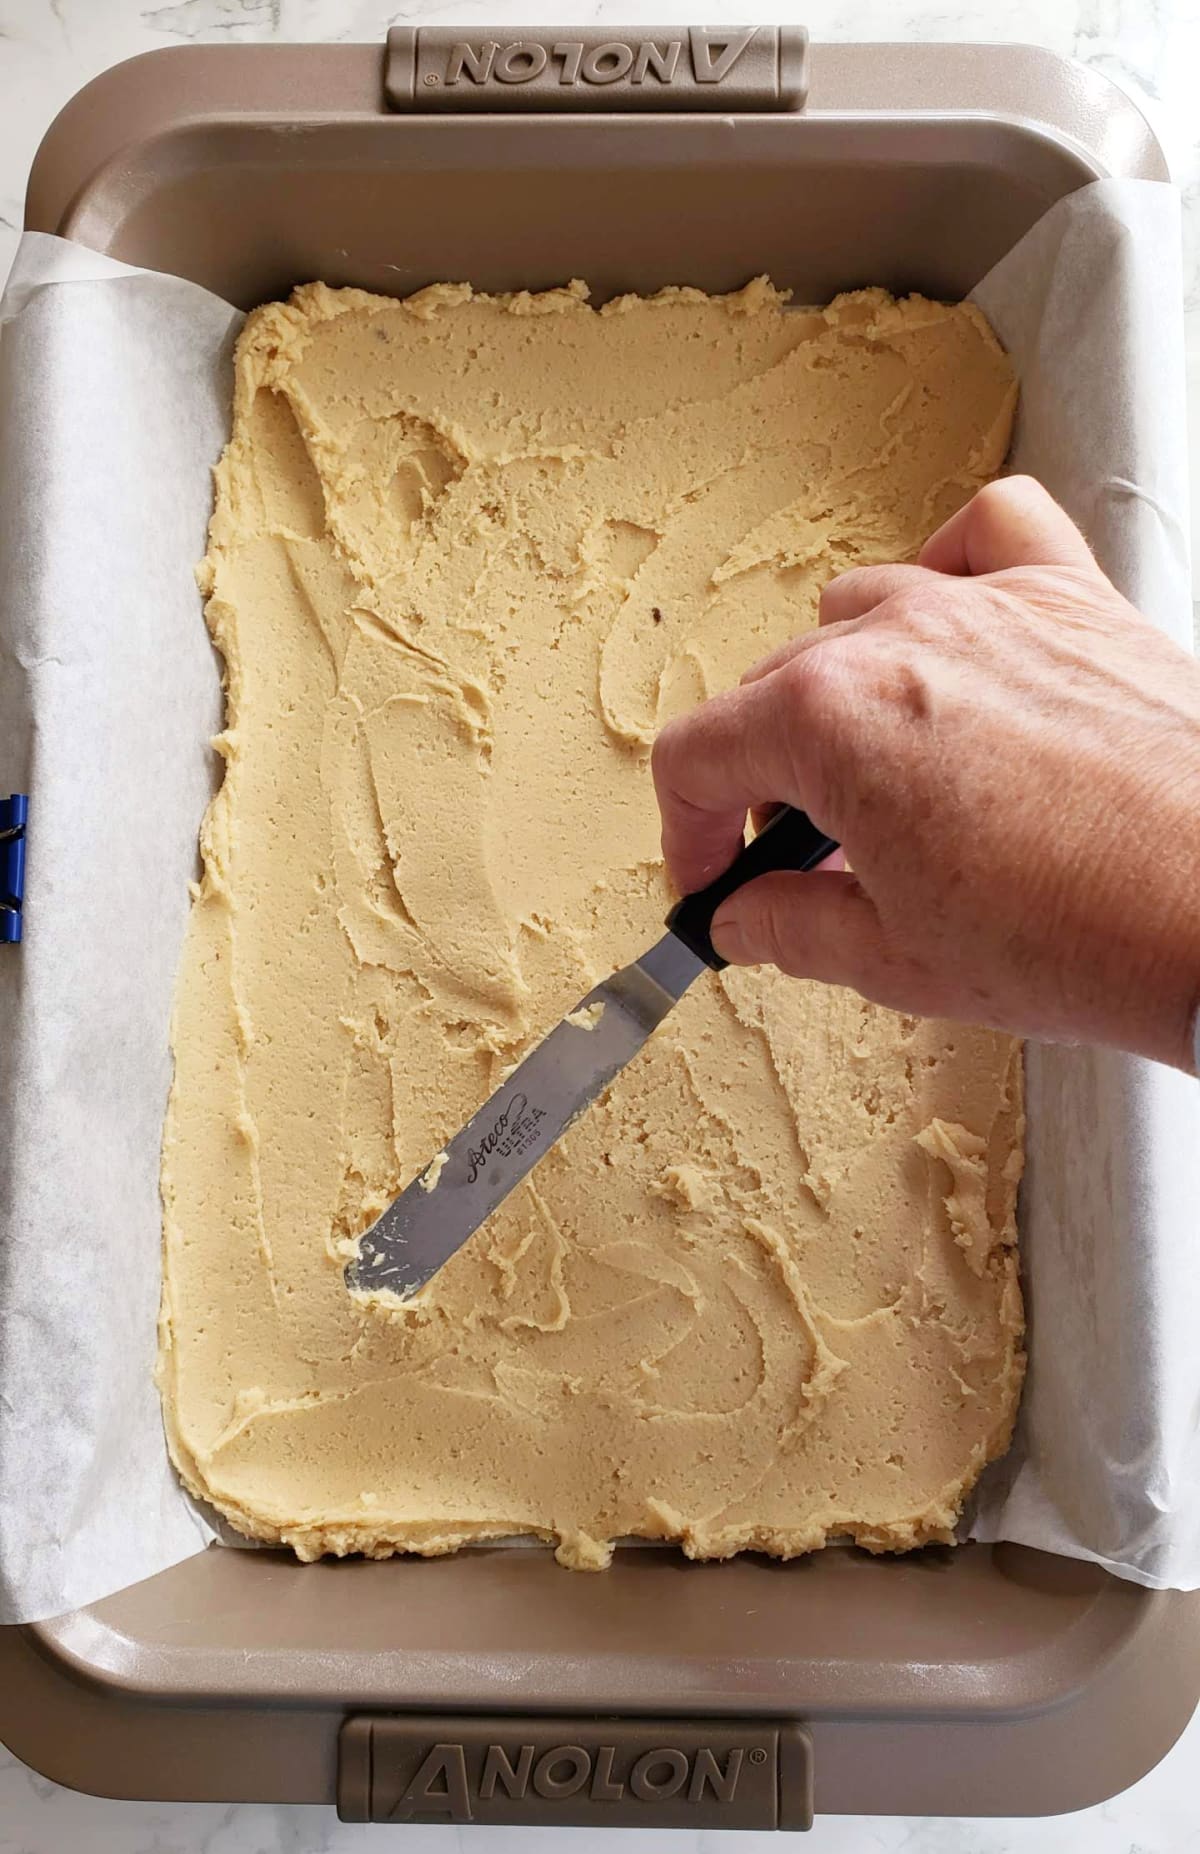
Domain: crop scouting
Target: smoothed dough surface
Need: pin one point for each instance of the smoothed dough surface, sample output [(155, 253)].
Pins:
[(468, 554)]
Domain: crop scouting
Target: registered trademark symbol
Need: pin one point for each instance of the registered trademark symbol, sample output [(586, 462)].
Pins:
[(431, 78), (758, 1755)]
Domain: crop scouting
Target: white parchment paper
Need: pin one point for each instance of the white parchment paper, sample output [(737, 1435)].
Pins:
[(115, 387)]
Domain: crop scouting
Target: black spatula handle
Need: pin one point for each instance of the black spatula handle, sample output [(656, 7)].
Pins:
[(789, 841)]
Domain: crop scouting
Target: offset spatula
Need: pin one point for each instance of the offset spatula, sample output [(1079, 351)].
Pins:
[(461, 1187)]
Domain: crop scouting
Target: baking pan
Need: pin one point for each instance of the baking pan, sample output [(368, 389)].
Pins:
[(493, 1686)]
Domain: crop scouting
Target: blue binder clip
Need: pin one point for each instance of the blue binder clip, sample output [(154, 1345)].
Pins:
[(13, 814)]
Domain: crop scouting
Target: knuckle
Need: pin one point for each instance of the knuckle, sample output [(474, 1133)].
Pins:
[(841, 676), (849, 580), (851, 588), (1005, 493), (1000, 490), (1007, 488), (918, 607), (905, 682), (664, 751), (992, 512), (777, 935), (881, 967), (925, 618), (818, 677), (774, 660), (1002, 510), (824, 701)]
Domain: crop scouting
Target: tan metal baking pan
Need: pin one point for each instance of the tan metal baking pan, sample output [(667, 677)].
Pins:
[(495, 1686)]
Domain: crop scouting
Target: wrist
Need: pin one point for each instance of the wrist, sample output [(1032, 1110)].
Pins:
[(1186, 863), (1142, 932), (1173, 978)]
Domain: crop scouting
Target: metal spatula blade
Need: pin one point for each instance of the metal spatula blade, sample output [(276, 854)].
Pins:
[(458, 1190), (430, 1220)]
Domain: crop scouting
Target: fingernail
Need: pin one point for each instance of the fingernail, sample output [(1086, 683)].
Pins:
[(729, 940)]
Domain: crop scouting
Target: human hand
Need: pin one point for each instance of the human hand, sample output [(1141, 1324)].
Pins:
[(1009, 754)]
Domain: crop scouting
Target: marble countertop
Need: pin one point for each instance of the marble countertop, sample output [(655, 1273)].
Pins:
[(48, 49)]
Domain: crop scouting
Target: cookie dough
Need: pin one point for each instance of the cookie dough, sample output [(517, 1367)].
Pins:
[(468, 554)]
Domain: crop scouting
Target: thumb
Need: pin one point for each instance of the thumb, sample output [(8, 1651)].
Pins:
[(821, 925)]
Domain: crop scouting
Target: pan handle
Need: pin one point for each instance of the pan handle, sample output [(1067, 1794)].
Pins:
[(730, 69), (553, 1771)]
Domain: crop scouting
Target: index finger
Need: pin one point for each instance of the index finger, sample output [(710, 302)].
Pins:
[(796, 646), (742, 748)]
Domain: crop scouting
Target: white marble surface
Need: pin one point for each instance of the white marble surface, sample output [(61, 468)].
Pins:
[(48, 48)]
